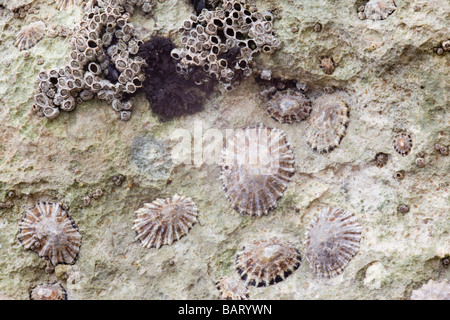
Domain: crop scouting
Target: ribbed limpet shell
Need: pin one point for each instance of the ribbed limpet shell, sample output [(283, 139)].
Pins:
[(48, 291), (48, 230), (266, 262), (30, 35), (165, 220), (403, 143), (328, 123), (379, 9), (289, 106), (231, 288), (332, 240), (433, 290), (256, 167)]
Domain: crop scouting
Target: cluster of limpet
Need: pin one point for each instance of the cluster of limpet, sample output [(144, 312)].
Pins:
[(288, 106), (30, 35), (48, 291), (165, 220), (332, 240), (433, 290), (231, 288), (403, 143), (103, 64), (328, 122), (256, 167), (223, 41), (48, 230), (266, 262)]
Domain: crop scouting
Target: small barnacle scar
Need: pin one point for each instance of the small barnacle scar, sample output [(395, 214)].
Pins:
[(289, 106), (332, 240), (49, 231), (256, 167), (403, 143), (164, 221), (231, 288), (30, 35), (266, 262), (328, 123), (433, 290), (48, 291)]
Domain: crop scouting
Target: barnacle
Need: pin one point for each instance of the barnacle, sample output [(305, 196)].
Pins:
[(379, 9), (168, 92), (165, 220), (289, 106), (48, 291), (266, 262), (327, 64), (103, 62), (403, 143), (223, 41), (256, 167), (231, 288), (433, 290), (30, 35), (48, 230), (332, 240), (328, 123), (381, 159)]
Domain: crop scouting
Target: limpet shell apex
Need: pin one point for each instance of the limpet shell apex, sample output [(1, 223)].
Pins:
[(48, 230)]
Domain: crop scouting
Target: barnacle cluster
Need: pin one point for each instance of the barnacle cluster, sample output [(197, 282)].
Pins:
[(48, 291), (289, 106), (231, 288), (332, 239), (165, 220), (256, 167), (268, 261), (103, 63), (30, 35), (48, 230), (224, 41)]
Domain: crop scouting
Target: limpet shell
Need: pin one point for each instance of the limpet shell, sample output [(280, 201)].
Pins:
[(332, 240), (48, 230), (165, 220)]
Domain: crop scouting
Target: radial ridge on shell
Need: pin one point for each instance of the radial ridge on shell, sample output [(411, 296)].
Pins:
[(256, 167), (164, 221)]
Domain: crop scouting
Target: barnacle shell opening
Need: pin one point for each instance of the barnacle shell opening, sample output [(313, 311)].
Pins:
[(48, 230)]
